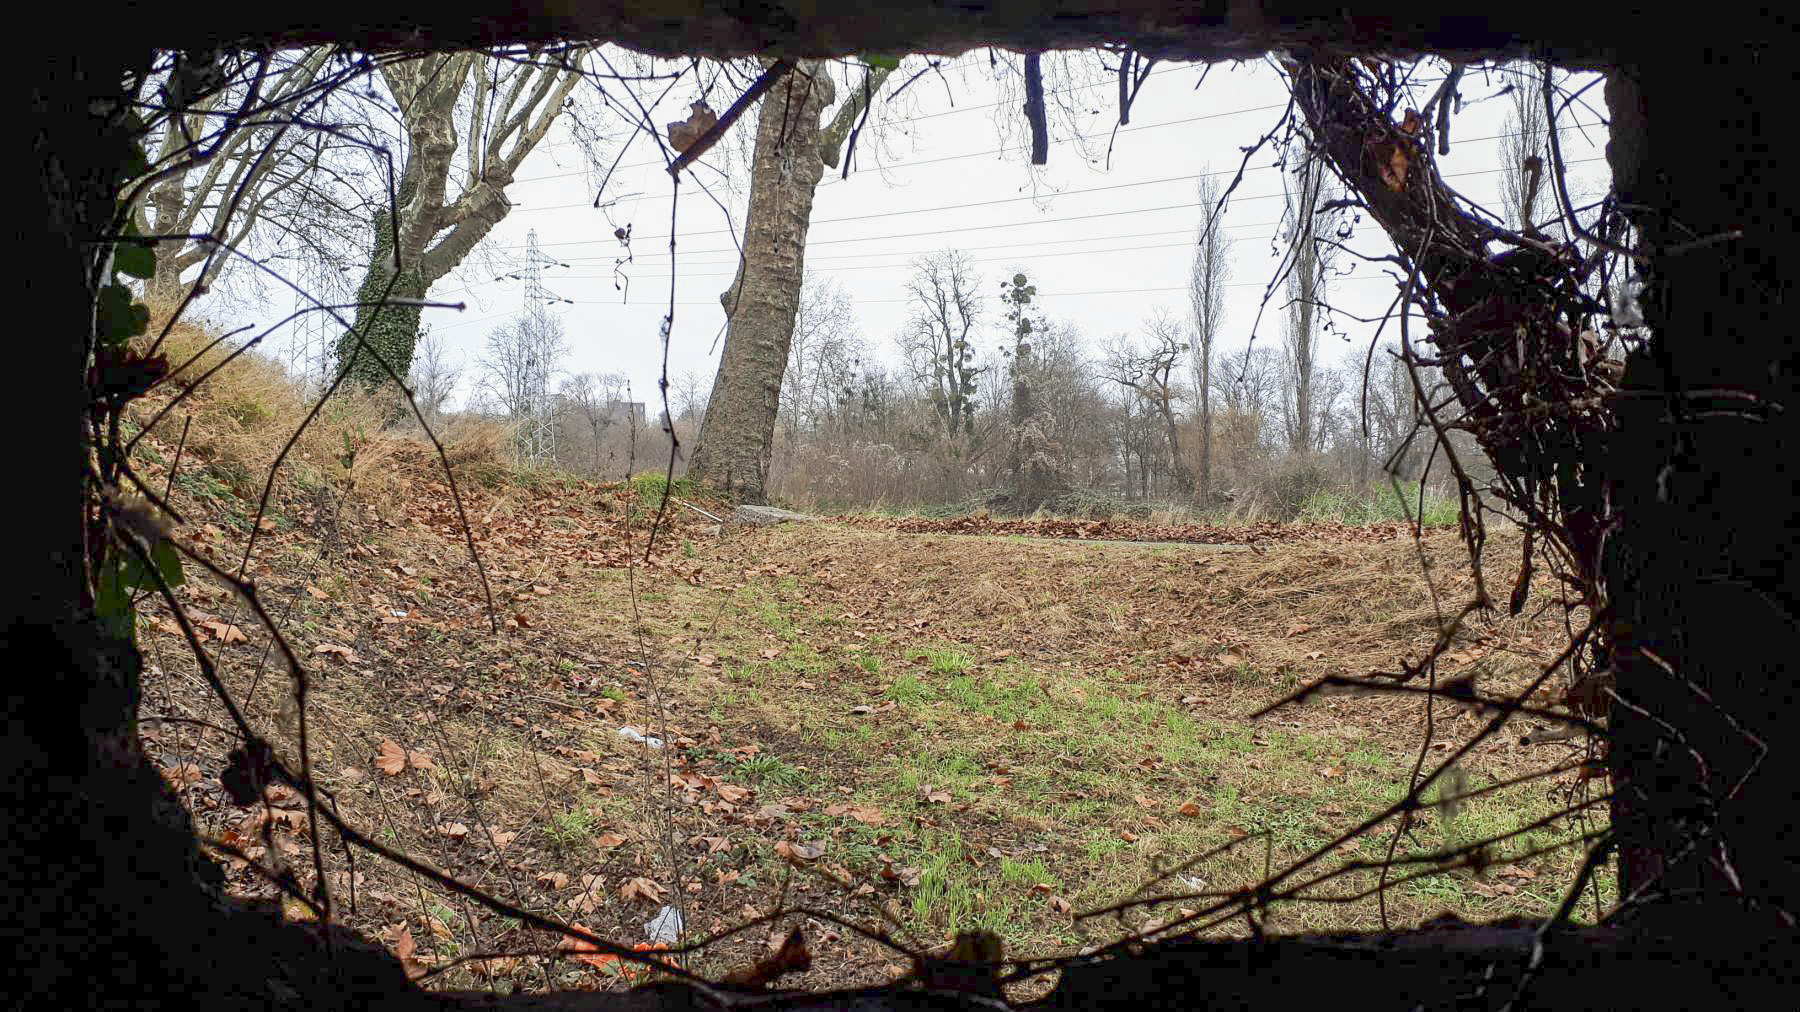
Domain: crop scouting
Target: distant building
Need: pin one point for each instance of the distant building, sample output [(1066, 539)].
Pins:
[(627, 412)]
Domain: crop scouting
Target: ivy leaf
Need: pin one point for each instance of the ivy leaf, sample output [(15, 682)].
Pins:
[(112, 603), (134, 164), (881, 62), (117, 318), (168, 562), (136, 260)]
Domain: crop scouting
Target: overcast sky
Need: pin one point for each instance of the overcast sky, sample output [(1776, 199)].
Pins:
[(1107, 244)]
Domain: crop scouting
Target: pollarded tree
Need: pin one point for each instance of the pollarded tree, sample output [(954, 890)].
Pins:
[(470, 119)]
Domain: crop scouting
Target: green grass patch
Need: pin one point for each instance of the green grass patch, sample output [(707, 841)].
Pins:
[(944, 660)]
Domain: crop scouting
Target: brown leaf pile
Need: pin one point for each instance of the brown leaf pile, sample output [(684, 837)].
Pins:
[(1112, 530)]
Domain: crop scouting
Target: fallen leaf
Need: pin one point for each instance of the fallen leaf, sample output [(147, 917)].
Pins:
[(733, 794), (1060, 905), (587, 952), (554, 879), (770, 653), (1236, 832), (930, 795), (1331, 809), (1191, 810), (1128, 836), (641, 888), (317, 593), (266, 524), (1514, 871), (500, 838), (1313, 655), (439, 929), (609, 839), (182, 775), (1298, 628), (1329, 772), (348, 655), (393, 759), (454, 831), (706, 660), (800, 853), (225, 633), (400, 942), (1146, 802)]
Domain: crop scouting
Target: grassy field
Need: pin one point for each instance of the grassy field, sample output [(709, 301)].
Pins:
[(915, 733)]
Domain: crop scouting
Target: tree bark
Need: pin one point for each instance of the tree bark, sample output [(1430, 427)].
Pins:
[(736, 436)]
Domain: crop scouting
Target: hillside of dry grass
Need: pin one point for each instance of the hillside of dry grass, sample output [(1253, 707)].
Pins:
[(914, 732)]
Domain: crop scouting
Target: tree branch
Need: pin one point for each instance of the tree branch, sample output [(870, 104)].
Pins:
[(832, 137)]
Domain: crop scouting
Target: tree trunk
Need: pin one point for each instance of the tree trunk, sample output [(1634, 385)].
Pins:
[(736, 436), (1206, 429), (389, 332)]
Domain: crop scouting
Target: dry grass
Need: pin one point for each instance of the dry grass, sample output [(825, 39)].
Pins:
[(975, 731), (248, 409)]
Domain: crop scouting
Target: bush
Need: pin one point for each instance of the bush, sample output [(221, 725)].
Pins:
[(652, 486), (1381, 504), (1292, 483)]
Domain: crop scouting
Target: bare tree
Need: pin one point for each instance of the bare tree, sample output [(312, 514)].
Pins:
[(599, 404), (1311, 258), (792, 149), (822, 329), (1151, 373), (938, 343), (227, 178), (470, 119), (689, 397), (433, 377), (521, 355), (1206, 299), (1524, 152)]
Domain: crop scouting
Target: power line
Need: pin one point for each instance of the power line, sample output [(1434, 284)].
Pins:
[(835, 181), (1042, 221), (1013, 200)]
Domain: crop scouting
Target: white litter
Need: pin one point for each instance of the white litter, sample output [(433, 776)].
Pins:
[(665, 927), (633, 734)]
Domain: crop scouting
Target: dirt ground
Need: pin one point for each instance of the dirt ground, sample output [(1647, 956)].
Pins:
[(882, 734)]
